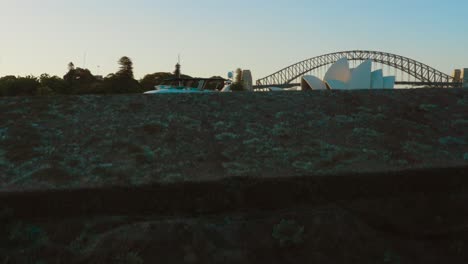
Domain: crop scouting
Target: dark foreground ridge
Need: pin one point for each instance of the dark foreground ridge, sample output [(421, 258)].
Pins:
[(417, 216), (320, 177), (233, 194), (247, 194)]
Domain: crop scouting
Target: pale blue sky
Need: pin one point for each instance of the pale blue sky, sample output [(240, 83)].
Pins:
[(215, 36)]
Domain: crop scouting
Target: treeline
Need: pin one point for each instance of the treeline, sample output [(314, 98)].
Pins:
[(82, 81)]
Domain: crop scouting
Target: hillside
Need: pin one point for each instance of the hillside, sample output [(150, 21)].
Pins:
[(89, 141), (316, 177)]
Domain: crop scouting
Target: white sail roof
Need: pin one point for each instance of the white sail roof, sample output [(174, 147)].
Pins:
[(337, 85), (377, 79), (361, 76), (339, 71), (389, 82), (310, 82)]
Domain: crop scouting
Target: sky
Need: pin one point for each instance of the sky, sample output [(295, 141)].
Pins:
[(217, 36)]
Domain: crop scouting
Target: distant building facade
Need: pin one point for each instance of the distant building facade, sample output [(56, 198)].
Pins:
[(457, 75), (461, 76), (247, 80), (465, 77)]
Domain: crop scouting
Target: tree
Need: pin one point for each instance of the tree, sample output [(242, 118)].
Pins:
[(122, 81), (18, 86), (5, 84), (54, 83), (238, 78), (44, 91), (151, 80), (79, 75), (126, 67), (237, 85), (216, 83), (116, 84), (71, 66), (79, 81)]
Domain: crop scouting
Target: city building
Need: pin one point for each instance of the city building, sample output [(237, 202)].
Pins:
[(247, 80), (457, 75), (464, 77)]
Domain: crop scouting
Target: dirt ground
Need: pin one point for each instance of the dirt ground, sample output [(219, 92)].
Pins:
[(316, 177)]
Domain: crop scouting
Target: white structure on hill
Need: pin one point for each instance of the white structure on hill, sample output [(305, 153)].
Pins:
[(341, 77), (247, 80)]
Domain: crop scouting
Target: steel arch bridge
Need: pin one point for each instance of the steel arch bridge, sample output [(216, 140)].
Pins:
[(424, 74)]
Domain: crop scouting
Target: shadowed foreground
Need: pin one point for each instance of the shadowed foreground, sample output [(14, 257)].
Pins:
[(242, 178)]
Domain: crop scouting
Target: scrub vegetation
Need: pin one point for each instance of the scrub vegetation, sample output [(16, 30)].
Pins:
[(82, 81), (81, 141), (235, 178)]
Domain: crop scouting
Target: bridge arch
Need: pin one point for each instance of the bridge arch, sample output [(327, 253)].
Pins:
[(420, 71)]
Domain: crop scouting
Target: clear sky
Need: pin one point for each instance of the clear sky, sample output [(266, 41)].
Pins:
[(216, 36)]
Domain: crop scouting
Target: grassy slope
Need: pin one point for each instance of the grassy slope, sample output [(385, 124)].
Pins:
[(88, 141)]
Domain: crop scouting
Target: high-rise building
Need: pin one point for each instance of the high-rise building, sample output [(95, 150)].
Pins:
[(247, 80), (465, 77), (457, 75)]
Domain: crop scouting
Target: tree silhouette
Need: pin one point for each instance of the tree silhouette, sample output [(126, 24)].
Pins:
[(55, 84), (122, 81), (149, 81), (71, 66), (238, 78), (18, 86), (126, 67)]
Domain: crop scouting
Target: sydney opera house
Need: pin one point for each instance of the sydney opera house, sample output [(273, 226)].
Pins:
[(341, 77)]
